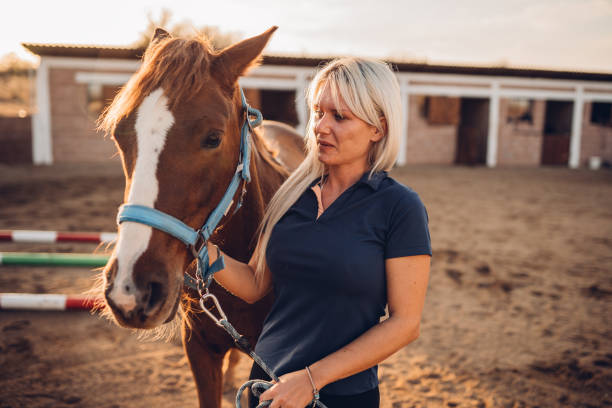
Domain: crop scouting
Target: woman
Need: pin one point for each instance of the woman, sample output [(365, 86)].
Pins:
[(340, 241)]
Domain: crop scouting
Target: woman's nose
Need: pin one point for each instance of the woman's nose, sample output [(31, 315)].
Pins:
[(321, 124)]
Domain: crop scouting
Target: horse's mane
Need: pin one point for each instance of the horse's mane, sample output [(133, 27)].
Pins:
[(178, 65), (267, 153)]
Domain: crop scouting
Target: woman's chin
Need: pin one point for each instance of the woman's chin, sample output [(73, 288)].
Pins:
[(326, 158)]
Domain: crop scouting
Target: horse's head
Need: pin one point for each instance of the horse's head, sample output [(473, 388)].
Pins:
[(176, 124)]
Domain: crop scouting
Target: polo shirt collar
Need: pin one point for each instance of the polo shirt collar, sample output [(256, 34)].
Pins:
[(373, 182)]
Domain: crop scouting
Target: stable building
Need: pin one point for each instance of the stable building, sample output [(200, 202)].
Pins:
[(471, 115)]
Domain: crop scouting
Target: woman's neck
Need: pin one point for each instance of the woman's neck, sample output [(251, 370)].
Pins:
[(339, 178)]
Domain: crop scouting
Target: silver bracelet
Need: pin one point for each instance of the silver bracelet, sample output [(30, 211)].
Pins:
[(315, 392)]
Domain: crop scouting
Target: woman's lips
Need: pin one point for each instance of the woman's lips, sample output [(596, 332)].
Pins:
[(323, 143)]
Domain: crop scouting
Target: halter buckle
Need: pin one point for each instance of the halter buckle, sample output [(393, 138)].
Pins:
[(197, 246)]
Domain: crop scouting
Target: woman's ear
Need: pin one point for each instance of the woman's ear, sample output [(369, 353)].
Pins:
[(383, 122), (377, 133)]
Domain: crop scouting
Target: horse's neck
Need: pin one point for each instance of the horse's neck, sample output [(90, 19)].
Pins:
[(238, 238)]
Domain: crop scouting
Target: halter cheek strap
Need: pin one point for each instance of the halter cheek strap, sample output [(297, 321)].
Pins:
[(196, 239)]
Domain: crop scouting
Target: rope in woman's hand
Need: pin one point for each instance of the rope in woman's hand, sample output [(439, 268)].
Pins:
[(258, 387)]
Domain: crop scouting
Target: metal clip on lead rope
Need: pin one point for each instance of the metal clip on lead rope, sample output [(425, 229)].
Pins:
[(216, 305)]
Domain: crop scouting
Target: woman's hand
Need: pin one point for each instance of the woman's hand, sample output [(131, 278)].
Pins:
[(292, 391), (239, 278)]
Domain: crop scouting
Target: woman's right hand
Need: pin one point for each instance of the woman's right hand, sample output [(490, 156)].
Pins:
[(240, 278)]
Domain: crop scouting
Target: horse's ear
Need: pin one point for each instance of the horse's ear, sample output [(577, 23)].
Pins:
[(160, 34), (236, 59)]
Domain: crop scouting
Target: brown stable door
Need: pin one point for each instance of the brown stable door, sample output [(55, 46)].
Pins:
[(473, 131), (557, 130)]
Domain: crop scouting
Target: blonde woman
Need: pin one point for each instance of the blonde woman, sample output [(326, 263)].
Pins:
[(341, 240)]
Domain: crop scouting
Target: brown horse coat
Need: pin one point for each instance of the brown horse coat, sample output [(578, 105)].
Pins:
[(176, 124)]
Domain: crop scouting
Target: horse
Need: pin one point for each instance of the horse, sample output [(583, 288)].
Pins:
[(176, 124), (286, 143)]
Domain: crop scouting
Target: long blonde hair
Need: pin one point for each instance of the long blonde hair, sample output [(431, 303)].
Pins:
[(371, 92)]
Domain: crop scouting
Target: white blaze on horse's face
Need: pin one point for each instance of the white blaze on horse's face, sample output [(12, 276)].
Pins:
[(153, 121)]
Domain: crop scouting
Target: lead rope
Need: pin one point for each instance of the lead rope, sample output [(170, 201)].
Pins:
[(257, 386)]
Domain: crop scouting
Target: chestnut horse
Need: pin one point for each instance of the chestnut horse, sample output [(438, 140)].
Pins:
[(177, 126)]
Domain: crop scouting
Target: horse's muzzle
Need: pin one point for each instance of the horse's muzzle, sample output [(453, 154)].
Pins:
[(139, 303)]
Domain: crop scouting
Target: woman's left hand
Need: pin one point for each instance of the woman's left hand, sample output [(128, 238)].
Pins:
[(292, 391)]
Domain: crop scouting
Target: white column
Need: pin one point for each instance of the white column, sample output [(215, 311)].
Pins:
[(574, 153), (42, 144), (300, 103), (405, 94), (493, 125)]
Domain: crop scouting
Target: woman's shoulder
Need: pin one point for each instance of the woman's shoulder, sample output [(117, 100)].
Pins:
[(400, 194), (407, 221)]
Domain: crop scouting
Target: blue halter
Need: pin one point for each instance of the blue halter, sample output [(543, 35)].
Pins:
[(198, 238)]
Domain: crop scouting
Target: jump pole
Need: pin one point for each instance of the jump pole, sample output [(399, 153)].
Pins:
[(52, 259), (36, 301), (55, 236)]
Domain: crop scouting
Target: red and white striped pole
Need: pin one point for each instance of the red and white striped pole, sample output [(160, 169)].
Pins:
[(55, 236), (36, 301)]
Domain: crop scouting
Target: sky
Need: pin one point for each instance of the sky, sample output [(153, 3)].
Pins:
[(549, 34)]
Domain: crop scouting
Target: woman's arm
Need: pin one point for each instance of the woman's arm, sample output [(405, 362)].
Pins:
[(407, 279), (240, 278)]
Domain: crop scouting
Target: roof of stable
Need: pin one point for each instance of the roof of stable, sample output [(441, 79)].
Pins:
[(129, 53)]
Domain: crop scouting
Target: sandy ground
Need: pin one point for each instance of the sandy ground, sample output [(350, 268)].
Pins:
[(517, 313)]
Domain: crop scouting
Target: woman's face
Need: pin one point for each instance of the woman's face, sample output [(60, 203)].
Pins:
[(342, 138)]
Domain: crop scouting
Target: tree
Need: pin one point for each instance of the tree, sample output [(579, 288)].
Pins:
[(11, 64), (16, 82), (218, 39)]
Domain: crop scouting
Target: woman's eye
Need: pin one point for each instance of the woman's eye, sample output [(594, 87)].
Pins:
[(212, 139), (338, 116), (318, 114)]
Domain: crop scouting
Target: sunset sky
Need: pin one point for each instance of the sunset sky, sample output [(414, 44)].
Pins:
[(552, 34)]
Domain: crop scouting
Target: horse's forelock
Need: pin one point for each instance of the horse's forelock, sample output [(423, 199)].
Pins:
[(177, 65)]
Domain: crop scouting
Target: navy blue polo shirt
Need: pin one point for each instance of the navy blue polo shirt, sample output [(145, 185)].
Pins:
[(328, 274)]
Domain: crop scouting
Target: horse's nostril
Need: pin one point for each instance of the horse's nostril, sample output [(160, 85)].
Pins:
[(127, 315), (155, 297), (108, 290)]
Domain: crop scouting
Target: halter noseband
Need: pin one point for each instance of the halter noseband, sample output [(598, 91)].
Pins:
[(196, 239)]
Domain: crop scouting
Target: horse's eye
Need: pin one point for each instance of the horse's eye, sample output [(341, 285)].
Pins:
[(212, 139)]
